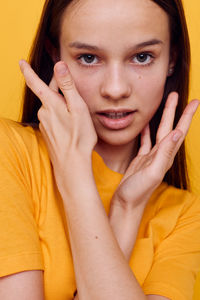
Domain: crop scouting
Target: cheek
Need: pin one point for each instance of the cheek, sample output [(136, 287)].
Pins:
[(150, 91), (86, 81), (87, 86)]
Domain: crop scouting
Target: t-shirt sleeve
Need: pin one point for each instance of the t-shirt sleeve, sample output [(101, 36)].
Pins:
[(19, 241), (177, 259)]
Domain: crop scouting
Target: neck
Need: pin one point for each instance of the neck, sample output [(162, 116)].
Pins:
[(117, 158)]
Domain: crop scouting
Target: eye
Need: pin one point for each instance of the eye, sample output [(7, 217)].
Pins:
[(143, 59), (88, 59)]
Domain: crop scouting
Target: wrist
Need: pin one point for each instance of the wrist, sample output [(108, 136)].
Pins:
[(125, 208), (74, 172), (125, 221), (128, 206)]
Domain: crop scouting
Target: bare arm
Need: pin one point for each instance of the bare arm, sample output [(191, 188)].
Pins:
[(97, 256), (125, 225), (22, 286)]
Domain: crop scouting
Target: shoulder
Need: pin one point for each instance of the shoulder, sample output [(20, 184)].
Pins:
[(170, 209), (12, 129), (23, 154), (167, 198), (174, 230), (21, 207), (18, 138)]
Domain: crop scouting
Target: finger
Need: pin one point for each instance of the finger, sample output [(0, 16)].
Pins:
[(167, 120), (38, 86), (53, 84), (186, 118), (145, 141), (54, 87), (46, 139), (165, 154), (169, 146), (67, 86)]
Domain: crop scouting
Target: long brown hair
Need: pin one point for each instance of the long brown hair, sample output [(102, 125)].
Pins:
[(40, 59)]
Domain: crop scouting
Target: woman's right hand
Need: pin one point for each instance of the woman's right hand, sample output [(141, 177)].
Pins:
[(65, 121)]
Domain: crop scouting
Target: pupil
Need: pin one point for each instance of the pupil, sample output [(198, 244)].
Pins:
[(89, 58), (142, 57)]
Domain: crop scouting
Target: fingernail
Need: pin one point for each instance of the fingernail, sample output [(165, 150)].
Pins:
[(177, 135), (61, 69)]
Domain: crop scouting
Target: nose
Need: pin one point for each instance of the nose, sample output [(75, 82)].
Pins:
[(115, 83)]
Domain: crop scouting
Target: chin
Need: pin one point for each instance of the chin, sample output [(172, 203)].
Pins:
[(117, 138)]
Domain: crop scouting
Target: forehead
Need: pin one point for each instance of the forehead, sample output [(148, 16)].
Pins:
[(114, 19)]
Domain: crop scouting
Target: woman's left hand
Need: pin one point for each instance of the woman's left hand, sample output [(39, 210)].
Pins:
[(148, 168), (65, 121)]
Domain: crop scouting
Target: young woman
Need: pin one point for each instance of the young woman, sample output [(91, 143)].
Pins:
[(93, 200)]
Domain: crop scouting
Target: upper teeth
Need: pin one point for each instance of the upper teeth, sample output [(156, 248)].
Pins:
[(117, 115)]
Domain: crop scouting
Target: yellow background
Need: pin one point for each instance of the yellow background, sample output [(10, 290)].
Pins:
[(18, 23)]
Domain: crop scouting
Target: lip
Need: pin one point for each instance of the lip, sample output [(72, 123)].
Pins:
[(122, 110), (116, 124)]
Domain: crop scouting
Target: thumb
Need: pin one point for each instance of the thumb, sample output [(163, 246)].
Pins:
[(66, 84)]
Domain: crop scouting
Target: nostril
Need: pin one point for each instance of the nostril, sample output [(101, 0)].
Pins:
[(115, 89), (116, 94)]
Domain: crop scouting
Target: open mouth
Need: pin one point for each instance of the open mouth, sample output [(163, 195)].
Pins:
[(117, 115), (116, 120)]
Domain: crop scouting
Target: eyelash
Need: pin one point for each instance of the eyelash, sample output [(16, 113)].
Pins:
[(89, 65)]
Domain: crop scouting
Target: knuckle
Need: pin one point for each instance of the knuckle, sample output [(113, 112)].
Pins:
[(40, 113), (169, 153), (155, 177), (40, 127), (40, 93), (155, 174), (29, 82), (170, 163), (66, 84)]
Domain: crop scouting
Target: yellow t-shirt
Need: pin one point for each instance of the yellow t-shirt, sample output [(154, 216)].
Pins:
[(33, 231)]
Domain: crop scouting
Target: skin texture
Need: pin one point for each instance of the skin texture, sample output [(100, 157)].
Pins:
[(115, 78), (114, 82), (166, 149), (22, 286)]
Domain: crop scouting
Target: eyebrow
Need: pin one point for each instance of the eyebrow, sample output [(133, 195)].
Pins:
[(80, 45)]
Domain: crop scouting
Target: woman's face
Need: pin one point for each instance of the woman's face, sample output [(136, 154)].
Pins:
[(118, 54)]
